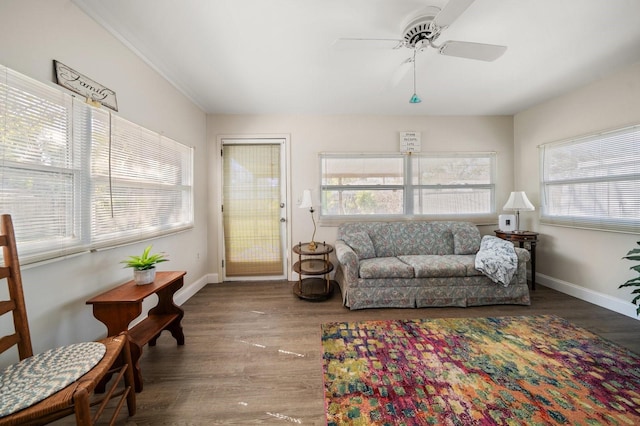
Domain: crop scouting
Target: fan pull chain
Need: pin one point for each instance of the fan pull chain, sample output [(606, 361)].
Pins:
[(415, 99)]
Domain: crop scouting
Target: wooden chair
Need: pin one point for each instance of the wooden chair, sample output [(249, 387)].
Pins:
[(24, 381)]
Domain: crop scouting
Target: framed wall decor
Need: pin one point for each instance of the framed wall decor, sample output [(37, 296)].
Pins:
[(76, 82), (409, 142)]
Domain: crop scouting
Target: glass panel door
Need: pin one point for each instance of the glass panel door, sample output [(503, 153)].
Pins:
[(253, 209)]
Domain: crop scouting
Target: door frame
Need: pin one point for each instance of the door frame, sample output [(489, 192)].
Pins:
[(286, 172)]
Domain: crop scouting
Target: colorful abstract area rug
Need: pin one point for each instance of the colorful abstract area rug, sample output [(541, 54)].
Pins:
[(538, 370)]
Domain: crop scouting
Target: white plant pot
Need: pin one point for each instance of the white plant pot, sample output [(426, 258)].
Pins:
[(144, 277)]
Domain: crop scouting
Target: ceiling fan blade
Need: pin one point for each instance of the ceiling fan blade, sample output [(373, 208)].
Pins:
[(367, 43), (401, 72), (451, 11), (466, 49)]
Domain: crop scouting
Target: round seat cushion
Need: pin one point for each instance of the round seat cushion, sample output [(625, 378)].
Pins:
[(40, 376)]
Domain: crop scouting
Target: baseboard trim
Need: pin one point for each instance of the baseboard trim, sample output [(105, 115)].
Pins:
[(620, 306), (187, 292)]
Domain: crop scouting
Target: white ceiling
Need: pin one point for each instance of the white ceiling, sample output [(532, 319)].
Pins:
[(278, 56)]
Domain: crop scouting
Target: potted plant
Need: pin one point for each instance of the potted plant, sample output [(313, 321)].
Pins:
[(634, 254), (144, 266)]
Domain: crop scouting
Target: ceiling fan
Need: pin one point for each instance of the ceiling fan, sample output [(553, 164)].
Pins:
[(426, 26), (423, 30)]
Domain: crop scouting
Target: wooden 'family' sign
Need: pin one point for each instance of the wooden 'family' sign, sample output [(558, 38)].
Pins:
[(82, 85)]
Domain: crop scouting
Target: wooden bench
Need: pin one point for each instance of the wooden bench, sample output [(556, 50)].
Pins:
[(119, 306)]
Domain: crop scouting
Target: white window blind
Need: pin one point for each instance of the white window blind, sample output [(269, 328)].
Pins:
[(593, 182), (453, 184), (40, 172), (252, 190), (141, 185), (66, 166)]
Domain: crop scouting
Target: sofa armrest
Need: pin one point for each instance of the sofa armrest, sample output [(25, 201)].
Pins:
[(521, 273), (523, 254), (348, 261)]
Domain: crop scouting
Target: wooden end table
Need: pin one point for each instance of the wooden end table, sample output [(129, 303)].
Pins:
[(522, 237), (313, 262), (119, 306)]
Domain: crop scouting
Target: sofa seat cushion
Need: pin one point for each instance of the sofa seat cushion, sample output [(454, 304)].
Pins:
[(385, 267), (434, 266), (468, 261)]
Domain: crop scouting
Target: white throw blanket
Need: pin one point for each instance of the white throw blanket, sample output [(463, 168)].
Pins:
[(497, 259)]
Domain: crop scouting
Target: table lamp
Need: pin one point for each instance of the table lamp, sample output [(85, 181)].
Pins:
[(307, 204), (518, 201)]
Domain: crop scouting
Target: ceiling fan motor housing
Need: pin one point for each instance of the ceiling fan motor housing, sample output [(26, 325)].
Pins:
[(420, 29)]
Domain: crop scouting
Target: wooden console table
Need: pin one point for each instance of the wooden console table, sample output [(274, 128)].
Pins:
[(117, 307)]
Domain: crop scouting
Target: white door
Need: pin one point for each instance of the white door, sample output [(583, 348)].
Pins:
[(254, 209)]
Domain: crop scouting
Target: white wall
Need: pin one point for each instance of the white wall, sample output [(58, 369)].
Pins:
[(310, 135), (34, 33), (584, 263)]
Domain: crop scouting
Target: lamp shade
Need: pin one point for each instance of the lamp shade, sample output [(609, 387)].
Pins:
[(306, 203), (518, 201)]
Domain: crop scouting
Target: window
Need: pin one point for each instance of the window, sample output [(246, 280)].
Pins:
[(593, 182), (76, 178), (435, 185), (141, 185), (362, 185), (453, 184)]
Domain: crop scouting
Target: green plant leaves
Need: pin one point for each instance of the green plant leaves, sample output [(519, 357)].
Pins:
[(634, 255), (144, 261)]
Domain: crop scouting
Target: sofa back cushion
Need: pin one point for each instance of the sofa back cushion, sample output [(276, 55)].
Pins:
[(466, 238), (378, 232), (419, 237), (361, 243), (383, 239), (410, 238)]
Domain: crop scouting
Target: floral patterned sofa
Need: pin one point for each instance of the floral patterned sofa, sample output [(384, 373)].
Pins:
[(420, 264)]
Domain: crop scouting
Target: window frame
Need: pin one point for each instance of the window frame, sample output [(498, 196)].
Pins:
[(366, 187), (491, 186), (408, 187)]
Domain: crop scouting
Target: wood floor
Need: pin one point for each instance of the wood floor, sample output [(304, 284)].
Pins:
[(253, 355)]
